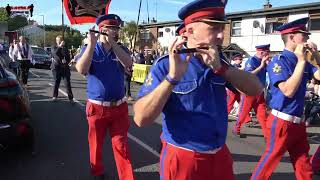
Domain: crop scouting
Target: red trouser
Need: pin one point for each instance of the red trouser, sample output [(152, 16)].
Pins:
[(100, 118), (315, 160), (284, 136), (258, 104), (232, 98), (180, 164)]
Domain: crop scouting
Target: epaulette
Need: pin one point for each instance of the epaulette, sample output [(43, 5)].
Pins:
[(166, 56)]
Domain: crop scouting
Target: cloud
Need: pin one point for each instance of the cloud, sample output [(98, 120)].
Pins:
[(177, 2)]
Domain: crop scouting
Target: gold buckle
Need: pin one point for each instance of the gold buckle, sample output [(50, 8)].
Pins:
[(113, 103)]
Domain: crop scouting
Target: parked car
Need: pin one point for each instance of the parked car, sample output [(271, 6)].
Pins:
[(41, 57), (15, 127)]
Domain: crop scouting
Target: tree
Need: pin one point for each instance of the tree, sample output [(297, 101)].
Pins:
[(3, 15), (128, 32), (17, 22), (71, 40)]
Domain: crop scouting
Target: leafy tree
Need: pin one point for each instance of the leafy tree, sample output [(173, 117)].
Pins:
[(17, 22), (3, 14), (71, 40), (128, 32)]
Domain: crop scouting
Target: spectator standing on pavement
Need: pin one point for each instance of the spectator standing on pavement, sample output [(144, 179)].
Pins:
[(23, 52), (60, 68), (104, 62), (128, 76), (141, 59), (148, 58), (13, 63), (189, 90)]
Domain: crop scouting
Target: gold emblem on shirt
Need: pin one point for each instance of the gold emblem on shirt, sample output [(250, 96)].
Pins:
[(149, 80), (276, 68)]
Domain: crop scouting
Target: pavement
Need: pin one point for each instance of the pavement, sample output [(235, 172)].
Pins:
[(61, 149)]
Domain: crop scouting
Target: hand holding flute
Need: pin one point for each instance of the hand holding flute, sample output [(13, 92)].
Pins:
[(92, 36)]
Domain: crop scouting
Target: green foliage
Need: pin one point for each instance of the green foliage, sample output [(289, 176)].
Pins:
[(128, 32), (3, 14), (71, 39), (17, 22)]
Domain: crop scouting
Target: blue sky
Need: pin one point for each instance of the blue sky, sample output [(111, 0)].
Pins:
[(162, 10)]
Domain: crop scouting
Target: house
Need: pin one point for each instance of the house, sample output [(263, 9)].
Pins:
[(251, 28), (33, 32), (159, 35), (246, 29)]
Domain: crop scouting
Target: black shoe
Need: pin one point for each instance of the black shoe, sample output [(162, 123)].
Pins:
[(71, 101), (238, 134)]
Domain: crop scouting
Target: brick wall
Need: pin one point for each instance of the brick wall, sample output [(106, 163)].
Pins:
[(227, 32)]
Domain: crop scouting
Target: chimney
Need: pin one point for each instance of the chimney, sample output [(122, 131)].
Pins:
[(267, 5)]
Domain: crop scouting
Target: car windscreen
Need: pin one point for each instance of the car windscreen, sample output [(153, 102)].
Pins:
[(39, 51)]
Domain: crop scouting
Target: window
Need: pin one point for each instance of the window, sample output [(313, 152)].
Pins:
[(274, 22), (145, 34), (160, 34), (236, 28), (314, 23)]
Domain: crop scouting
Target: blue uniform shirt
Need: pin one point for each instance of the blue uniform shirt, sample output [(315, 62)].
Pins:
[(106, 75), (252, 64), (195, 115), (280, 69)]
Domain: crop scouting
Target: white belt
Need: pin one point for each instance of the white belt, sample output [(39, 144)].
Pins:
[(287, 117), (108, 103), (214, 151)]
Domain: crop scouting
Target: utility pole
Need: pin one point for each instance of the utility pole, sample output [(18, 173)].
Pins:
[(157, 10), (62, 19), (148, 12), (44, 30), (135, 36)]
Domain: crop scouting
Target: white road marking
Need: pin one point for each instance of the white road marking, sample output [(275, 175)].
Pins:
[(65, 94), (149, 168), (34, 74), (133, 138), (147, 147), (40, 100)]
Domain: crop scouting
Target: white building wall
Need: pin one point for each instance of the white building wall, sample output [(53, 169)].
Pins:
[(168, 36), (295, 16), (250, 36)]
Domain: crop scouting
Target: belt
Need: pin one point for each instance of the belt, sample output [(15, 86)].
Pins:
[(287, 117), (108, 103), (214, 151)]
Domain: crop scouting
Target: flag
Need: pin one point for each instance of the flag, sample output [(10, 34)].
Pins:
[(85, 11)]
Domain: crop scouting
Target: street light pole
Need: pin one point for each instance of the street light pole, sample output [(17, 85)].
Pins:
[(62, 19), (44, 31)]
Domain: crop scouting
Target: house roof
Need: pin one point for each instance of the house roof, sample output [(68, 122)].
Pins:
[(275, 10), (161, 24), (250, 13)]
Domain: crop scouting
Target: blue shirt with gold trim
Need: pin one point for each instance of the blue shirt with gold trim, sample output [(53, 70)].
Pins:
[(281, 69), (253, 63), (105, 79), (195, 115)]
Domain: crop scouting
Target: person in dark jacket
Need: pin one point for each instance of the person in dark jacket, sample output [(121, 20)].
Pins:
[(60, 68)]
